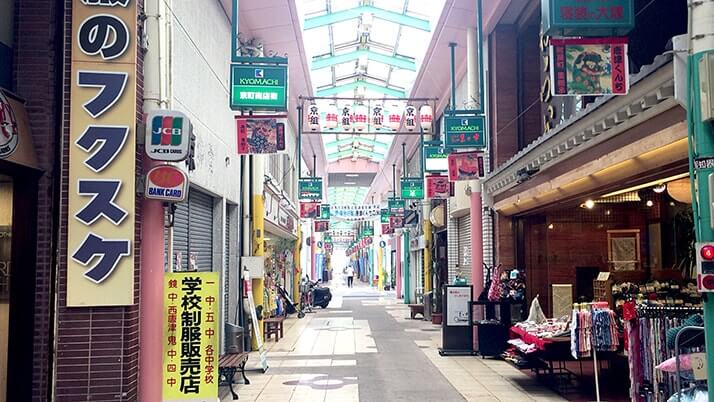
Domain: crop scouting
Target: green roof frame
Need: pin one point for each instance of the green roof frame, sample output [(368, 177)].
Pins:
[(344, 15), (359, 152), (402, 62), (365, 141), (394, 93)]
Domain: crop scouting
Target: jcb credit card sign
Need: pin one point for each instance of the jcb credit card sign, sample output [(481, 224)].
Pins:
[(191, 315), (102, 152)]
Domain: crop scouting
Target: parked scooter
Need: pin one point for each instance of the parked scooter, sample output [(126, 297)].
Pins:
[(312, 294)]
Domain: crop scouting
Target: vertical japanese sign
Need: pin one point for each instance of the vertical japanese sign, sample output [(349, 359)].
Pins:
[(191, 315), (595, 66), (102, 152)]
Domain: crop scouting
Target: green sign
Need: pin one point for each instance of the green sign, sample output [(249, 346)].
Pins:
[(325, 212), (436, 159), (396, 206), (465, 132), (259, 87), (412, 187), (384, 215), (368, 231), (310, 189), (588, 18)]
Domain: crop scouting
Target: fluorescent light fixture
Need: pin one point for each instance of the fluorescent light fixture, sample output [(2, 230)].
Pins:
[(650, 184), (350, 183), (352, 175)]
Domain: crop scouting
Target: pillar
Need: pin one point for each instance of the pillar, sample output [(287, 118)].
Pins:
[(258, 235), (405, 269), (427, 248), (476, 239), (297, 271), (398, 256)]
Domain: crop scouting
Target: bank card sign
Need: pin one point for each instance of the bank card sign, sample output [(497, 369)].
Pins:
[(589, 66), (465, 132), (466, 166), (259, 87), (168, 136), (166, 183), (412, 187), (587, 18), (260, 135), (102, 154), (190, 339), (310, 188)]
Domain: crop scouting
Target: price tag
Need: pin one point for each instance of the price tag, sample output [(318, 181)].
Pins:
[(699, 365)]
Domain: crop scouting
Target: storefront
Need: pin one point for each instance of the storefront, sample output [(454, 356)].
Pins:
[(19, 177), (280, 238)]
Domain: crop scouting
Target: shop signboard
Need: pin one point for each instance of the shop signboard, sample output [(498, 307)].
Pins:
[(16, 143), (589, 66), (412, 187), (310, 188), (396, 222), (438, 187), (466, 166), (325, 212), (465, 131), (384, 215), (396, 206), (259, 87), (168, 136), (102, 154), (166, 183), (368, 230), (260, 135), (435, 159), (190, 339), (309, 210), (322, 226), (587, 18), (387, 229)]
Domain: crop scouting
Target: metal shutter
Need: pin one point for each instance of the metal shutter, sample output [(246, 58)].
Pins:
[(464, 240), (200, 225), (226, 263)]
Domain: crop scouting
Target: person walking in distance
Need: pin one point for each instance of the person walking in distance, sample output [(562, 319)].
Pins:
[(350, 272)]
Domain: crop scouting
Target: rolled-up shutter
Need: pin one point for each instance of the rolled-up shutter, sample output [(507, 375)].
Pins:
[(200, 226), (464, 238)]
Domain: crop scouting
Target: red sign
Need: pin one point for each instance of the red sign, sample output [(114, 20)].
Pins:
[(322, 226), (309, 210), (465, 166), (438, 187), (166, 183), (387, 229), (260, 135), (396, 222)]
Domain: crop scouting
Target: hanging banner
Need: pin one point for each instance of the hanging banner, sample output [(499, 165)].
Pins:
[(260, 135), (309, 210), (435, 159), (465, 131), (412, 187), (466, 166), (384, 215), (325, 212), (591, 67), (438, 187), (259, 87), (102, 154), (322, 226), (587, 18), (190, 356), (166, 183), (396, 222), (310, 188)]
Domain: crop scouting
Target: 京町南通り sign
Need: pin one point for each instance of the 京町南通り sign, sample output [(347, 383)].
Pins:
[(259, 87)]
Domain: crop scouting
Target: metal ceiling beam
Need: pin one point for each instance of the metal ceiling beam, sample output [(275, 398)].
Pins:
[(391, 92), (345, 15), (396, 61), (358, 152)]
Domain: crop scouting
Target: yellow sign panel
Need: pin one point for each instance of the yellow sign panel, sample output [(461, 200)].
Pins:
[(102, 154), (191, 315)]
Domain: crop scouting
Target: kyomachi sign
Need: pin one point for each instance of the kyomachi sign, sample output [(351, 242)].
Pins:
[(259, 87), (166, 183), (465, 132), (168, 136)]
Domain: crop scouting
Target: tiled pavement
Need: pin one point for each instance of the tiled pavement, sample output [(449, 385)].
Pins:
[(363, 347)]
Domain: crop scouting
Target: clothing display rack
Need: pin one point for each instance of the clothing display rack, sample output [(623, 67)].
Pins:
[(648, 347)]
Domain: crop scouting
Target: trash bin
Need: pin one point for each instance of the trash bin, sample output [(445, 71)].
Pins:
[(234, 338), (427, 306)]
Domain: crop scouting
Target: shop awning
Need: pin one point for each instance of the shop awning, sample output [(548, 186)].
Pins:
[(16, 143)]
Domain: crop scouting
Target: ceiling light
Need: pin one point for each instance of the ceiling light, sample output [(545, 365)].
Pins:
[(589, 204), (659, 189), (649, 203), (650, 184), (352, 175), (350, 183), (551, 226)]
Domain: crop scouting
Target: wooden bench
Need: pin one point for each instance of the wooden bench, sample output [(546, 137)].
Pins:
[(228, 365), (415, 309), (272, 326)]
